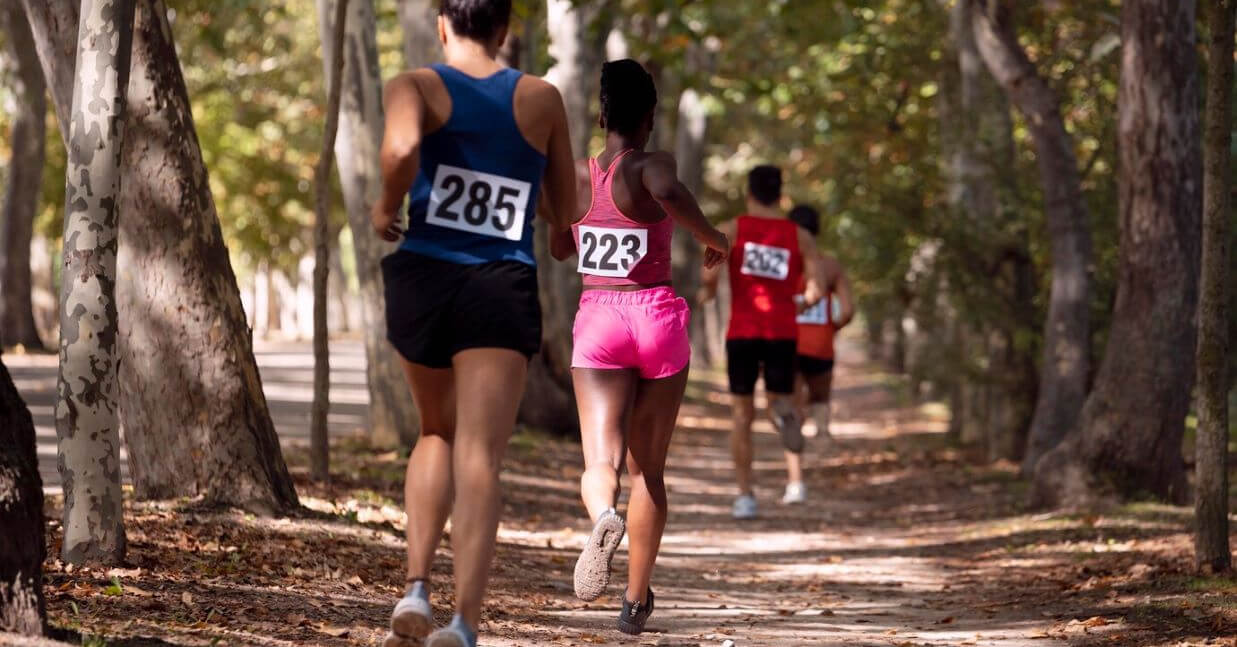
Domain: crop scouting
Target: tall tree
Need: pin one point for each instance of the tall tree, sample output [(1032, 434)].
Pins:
[(392, 414), (21, 515), (318, 440), (978, 147), (196, 419), (21, 194), (1134, 419), (577, 34), (87, 424), (690, 146), (418, 20), (1211, 548), (1066, 355)]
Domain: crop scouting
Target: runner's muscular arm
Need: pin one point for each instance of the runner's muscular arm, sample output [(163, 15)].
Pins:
[(661, 177), (401, 152), (841, 288), (710, 275), (560, 177), (813, 268)]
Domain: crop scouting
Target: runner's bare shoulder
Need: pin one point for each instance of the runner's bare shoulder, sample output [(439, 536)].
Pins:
[(538, 110), (426, 85)]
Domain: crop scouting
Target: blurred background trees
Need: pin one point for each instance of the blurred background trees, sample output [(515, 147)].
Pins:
[(964, 154)]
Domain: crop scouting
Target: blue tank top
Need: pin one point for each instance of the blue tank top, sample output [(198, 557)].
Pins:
[(475, 196)]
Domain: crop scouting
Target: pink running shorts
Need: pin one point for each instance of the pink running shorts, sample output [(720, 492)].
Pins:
[(644, 330)]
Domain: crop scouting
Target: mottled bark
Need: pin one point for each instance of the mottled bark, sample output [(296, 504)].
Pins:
[(1066, 353), (333, 50), (392, 414), (577, 39), (419, 22), (21, 193), (1134, 419), (87, 424), (1211, 547), (21, 515), (196, 420)]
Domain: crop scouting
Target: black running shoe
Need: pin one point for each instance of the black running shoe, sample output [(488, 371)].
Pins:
[(634, 615)]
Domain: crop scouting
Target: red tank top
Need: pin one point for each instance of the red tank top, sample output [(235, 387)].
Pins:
[(765, 269), (614, 249), (816, 328)]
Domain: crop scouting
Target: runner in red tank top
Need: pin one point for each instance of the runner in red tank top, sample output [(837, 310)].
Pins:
[(769, 258), (814, 364)]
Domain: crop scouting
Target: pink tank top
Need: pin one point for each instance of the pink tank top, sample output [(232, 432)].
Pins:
[(613, 249)]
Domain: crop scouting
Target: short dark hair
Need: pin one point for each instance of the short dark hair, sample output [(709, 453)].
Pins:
[(478, 20), (627, 96), (764, 183), (806, 217)]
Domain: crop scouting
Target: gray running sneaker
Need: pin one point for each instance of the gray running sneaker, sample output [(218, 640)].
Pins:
[(744, 507), (634, 615), (412, 619), (456, 634), (593, 567), (789, 426)]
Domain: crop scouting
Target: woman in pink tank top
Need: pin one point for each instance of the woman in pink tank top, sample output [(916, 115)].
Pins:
[(631, 353)]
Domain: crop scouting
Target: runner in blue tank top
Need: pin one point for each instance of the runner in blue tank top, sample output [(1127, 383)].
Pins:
[(471, 143)]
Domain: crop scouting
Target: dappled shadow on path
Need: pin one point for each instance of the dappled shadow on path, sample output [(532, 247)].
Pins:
[(906, 540)]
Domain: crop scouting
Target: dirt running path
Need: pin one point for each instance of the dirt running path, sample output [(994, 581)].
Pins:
[(906, 541)]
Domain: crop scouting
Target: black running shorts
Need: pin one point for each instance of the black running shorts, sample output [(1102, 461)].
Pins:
[(746, 357), (812, 366), (436, 309)]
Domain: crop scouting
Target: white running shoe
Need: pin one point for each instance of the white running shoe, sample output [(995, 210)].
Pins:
[(744, 507), (412, 619), (795, 493)]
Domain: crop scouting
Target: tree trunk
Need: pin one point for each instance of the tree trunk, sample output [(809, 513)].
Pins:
[(419, 22), (21, 194), (319, 443), (1066, 354), (577, 37), (1211, 548), (196, 420), (87, 424), (979, 148), (21, 515), (392, 415), (690, 142), (1134, 419)]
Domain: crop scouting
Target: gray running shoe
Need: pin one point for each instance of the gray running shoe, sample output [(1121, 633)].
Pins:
[(744, 507), (592, 574), (789, 426), (456, 634), (634, 615), (412, 619)]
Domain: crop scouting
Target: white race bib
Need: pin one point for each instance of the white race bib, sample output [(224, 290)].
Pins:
[(611, 252), (765, 261), (816, 315), (480, 203)]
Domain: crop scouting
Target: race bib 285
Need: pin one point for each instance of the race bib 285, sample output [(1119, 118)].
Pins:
[(480, 203)]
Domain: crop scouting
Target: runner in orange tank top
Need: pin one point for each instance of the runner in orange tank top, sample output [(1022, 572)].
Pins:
[(769, 258), (814, 364)]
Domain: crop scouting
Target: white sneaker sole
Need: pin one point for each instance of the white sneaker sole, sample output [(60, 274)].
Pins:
[(411, 621)]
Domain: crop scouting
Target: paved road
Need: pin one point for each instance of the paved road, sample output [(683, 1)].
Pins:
[(287, 379)]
